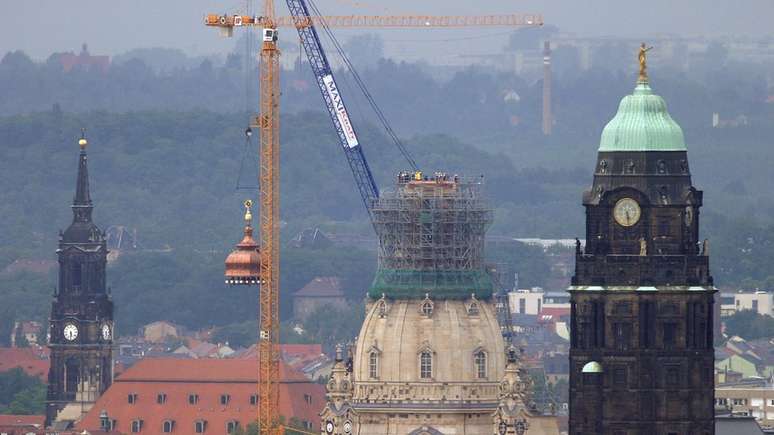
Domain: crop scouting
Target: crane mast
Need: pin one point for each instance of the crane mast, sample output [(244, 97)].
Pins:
[(267, 122)]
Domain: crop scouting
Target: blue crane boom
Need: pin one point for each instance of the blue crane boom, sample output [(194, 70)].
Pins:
[(334, 102)]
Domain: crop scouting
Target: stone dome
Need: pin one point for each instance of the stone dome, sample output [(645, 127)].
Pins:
[(642, 124), (454, 333)]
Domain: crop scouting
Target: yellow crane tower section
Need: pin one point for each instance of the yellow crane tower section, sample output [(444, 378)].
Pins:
[(254, 263)]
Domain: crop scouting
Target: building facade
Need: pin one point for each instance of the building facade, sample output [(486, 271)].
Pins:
[(81, 321), (641, 357), (430, 357)]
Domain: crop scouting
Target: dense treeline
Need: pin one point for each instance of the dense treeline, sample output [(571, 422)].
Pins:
[(167, 150)]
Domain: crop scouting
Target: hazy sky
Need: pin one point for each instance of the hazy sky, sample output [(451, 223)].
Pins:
[(41, 27)]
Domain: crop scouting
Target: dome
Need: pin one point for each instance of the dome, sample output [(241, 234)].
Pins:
[(460, 341), (592, 367), (642, 124), (243, 264)]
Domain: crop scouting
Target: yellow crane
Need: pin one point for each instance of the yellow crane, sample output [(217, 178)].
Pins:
[(258, 263)]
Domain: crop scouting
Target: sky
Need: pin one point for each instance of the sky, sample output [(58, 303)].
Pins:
[(40, 27)]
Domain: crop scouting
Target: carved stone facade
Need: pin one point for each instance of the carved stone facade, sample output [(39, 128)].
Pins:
[(81, 321)]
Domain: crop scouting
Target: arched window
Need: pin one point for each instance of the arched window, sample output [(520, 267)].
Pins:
[(232, 426), (425, 365), (480, 361), (168, 426), (136, 426), (473, 309), (373, 365), (200, 426), (427, 308)]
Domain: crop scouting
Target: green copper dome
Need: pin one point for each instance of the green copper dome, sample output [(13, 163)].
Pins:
[(642, 124)]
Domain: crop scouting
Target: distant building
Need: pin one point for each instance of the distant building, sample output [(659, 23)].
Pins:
[(318, 293), (526, 301), (754, 399), (160, 331), (70, 61), (33, 360), (759, 301), (186, 396), (736, 425), (22, 424)]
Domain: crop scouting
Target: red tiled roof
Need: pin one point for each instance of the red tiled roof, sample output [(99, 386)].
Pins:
[(33, 361), (22, 420), (312, 350), (322, 286), (207, 378)]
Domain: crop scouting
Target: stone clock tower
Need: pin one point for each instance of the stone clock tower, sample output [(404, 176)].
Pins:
[(641, 358), (81, 322)]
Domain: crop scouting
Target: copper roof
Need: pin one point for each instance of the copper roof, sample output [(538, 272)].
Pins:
[(243, 264)]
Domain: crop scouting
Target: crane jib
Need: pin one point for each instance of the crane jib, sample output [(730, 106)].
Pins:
[(341, 110)]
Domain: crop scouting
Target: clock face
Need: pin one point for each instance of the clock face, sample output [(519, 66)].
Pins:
[(626, 212), (329, 427), (70, 332), (106, 332), (347, 426)]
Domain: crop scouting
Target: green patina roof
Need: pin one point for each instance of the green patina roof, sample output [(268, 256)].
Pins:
[(642, 124), (444, 284)]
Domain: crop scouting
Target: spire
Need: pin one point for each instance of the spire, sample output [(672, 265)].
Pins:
[(82, 196), (82, 230)]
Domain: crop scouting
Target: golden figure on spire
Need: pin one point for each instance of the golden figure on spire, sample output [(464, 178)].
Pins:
[(643, 63), (248, 214)]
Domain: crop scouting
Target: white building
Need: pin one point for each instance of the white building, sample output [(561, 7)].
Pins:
[(758, 301)]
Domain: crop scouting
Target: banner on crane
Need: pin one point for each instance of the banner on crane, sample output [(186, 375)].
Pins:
[(341, 111)]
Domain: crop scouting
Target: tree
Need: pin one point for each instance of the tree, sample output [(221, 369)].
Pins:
[(750, 325), (21, 393)]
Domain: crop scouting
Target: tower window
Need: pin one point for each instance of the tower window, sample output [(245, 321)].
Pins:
[(168, 426), (672, 376), (663, 227), (193, 399), (75, 272), (480, 362), (200, 426), (373, 365), (425, 365), (161, 398), (623, 335), (670, 334), (232, 427), (224, 399), (136, 426)]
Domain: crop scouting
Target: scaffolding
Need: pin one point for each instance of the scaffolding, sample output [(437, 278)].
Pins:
[(431, 238)]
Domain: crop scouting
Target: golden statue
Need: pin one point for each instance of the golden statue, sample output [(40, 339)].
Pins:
[(643, 247), (248, 214), (643, 63)]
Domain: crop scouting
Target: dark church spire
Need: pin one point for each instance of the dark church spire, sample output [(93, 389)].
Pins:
[(82, 230)]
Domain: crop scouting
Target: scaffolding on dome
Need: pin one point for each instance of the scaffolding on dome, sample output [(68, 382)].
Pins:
[(431, 238)]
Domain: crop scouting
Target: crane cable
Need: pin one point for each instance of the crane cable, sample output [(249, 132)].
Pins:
[(402, 148)]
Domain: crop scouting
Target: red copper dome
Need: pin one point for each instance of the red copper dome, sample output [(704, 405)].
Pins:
[(243, 264)]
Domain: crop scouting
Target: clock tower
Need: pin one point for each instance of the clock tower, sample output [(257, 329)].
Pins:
[(641, 356), (81, 321)]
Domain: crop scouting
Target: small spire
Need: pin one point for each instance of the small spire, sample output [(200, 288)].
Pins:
[(643, 58), (82, 201)]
